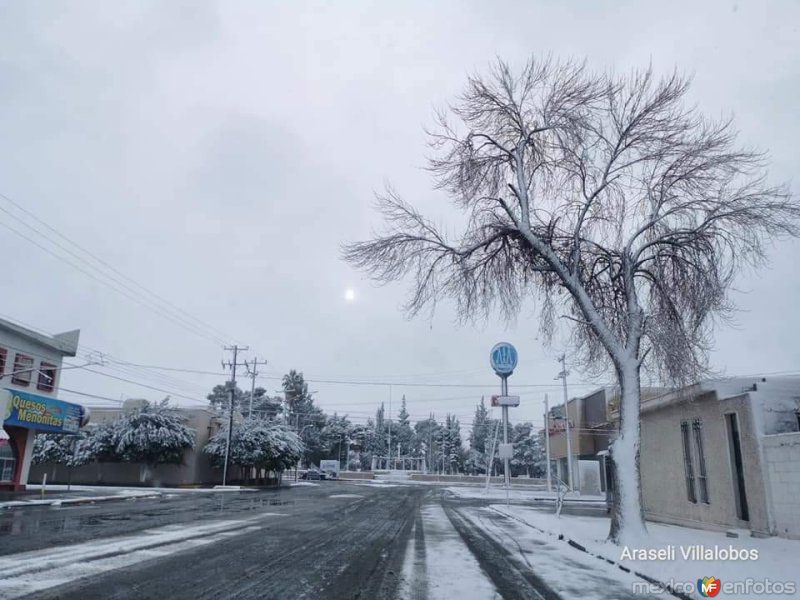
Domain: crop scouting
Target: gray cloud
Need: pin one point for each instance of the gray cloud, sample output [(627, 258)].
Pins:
[(220, 152)]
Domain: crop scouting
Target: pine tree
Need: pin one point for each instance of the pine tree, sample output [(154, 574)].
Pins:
[(481, 429), (404, 435), (528, 451), (455, 448)]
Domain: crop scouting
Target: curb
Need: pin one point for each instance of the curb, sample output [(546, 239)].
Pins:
[(77, 501), (578, 546)]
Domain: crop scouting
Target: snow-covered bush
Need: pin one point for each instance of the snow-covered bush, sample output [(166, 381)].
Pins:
[(257, 443), (155, 434)]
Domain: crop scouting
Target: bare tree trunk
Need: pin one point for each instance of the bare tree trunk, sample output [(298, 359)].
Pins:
[(627, 517)]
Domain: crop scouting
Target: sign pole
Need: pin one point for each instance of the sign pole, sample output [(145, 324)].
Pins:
[(504, 392), (503, 359)]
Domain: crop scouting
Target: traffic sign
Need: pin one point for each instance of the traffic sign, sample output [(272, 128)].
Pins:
[(503, 358)]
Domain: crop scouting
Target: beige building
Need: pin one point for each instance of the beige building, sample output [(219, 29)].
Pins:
[(195, 470), (589, 432), (724, 454)]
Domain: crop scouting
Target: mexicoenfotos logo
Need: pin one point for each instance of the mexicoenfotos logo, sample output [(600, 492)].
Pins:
[(709, 586)]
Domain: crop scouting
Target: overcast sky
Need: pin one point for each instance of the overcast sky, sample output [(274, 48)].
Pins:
[(219, 154)]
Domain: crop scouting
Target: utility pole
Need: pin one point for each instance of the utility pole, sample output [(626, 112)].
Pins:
[(563, 377), (235, 349), (253, 374), (431, 464), (547, 440), (389, 453)]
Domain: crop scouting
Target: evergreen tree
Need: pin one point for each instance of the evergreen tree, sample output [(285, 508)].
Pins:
[(425, 441), (479, 437), (455, 455), (220, 397), (336, 436), (297, 397), (528, 451), (403, 434), (264, 407)]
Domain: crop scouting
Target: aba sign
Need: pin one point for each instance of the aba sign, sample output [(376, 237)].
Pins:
[(503, 358), (42, 414)]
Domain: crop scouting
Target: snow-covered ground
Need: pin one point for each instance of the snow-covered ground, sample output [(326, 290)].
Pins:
[(777, 561), (113, 489), (448, 569), (58, 495), (567, 571), (82, 499), (519, 495), (26, 573)]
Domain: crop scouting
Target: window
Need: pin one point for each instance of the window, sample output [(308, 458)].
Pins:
[(47, 377), (3, 357), (697, 428), (8, 459), (687, 462), (23, 367)]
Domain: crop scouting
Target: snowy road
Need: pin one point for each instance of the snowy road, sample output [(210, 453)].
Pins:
[(331, 540)]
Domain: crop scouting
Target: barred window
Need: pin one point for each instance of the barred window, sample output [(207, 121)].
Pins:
[(697, 428), (687, 462)]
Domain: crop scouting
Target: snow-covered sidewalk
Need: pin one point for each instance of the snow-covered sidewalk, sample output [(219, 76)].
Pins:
[(520, 494), (777, 558), (561, 568)]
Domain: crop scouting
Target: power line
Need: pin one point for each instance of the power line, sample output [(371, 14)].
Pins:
[(399, 384), (160, 305)]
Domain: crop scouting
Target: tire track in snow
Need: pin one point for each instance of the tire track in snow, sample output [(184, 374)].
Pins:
[(29, 572)]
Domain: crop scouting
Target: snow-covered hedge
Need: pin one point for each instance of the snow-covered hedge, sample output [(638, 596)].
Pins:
[(257, 443)]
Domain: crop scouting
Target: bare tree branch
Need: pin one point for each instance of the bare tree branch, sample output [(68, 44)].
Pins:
[(610, 201)]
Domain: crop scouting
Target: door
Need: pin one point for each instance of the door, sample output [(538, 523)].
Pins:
[(735, 447)]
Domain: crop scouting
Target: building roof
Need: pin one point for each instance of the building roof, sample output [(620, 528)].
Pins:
[(65, 343)]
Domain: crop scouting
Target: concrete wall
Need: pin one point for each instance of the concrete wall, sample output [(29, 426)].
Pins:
[(663, 477), (782, 462), (195, 470)]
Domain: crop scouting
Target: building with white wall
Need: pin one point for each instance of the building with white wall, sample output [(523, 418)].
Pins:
[(724, 454), (30, 372)]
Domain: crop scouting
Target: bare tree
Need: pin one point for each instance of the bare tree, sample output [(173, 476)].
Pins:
[(610, 201)]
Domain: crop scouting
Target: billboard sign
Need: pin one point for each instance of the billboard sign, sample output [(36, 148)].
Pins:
[(41, 413)]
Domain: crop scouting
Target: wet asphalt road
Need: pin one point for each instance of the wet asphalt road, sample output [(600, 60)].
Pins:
[(335, 540)]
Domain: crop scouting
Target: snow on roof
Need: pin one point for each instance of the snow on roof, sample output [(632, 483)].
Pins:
[(66, 343), (778, 397)]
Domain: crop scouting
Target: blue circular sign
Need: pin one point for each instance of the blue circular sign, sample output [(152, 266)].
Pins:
[(503, 358)]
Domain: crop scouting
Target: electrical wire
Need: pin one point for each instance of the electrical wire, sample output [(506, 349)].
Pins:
[(172, 312)]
